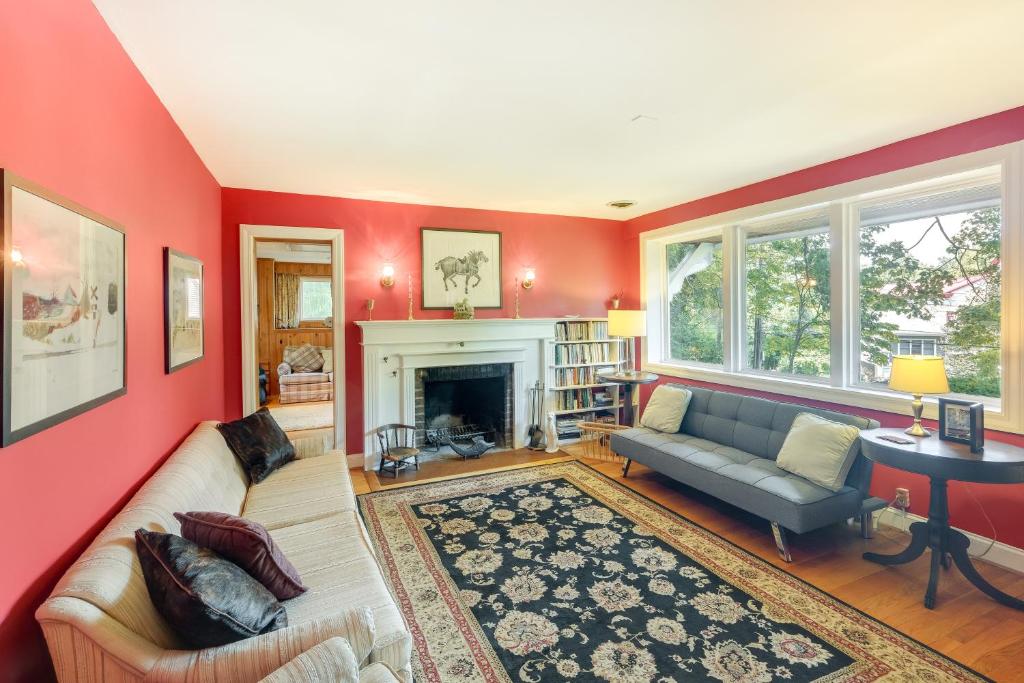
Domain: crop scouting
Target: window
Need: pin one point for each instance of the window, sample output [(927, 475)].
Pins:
[(315, 298), (812, 296), (787, 297), (916, 347), (930, 285), (695, 327)]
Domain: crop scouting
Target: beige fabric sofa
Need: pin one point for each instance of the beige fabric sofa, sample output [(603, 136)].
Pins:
[(100, 624)]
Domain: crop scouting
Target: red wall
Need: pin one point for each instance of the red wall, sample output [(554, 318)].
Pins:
[(78, 118), (578, 262), (1003, 504)]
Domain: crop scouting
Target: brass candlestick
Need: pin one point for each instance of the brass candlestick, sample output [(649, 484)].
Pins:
[(369, 307), (516, 316)]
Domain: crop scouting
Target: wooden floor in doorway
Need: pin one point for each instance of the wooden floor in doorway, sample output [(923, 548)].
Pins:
[(965, 625)]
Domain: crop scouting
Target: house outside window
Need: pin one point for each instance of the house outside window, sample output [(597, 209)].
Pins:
[(930, 274)]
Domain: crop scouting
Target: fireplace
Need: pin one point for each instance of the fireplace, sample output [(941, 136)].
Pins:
[(395, 352), (470, 398)]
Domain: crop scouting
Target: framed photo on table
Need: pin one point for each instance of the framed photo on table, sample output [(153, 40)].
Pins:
[(962, 422), (64, 334), (460, 264), (184, 324)]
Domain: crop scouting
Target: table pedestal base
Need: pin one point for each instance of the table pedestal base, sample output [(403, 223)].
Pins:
[(948, 546)]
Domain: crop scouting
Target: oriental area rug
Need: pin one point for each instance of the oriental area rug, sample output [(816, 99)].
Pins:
[(557, 573)]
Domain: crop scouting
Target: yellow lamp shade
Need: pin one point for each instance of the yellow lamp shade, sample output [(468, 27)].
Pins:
[(627, 323), (918, 375)]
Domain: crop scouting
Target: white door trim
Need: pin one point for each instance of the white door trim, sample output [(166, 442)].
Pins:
[(248, 234)]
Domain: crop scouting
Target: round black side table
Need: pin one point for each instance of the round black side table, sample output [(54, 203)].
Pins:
[(628, 380), (944, 461)]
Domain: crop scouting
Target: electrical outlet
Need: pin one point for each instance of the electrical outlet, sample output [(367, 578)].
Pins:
[(902, 498)]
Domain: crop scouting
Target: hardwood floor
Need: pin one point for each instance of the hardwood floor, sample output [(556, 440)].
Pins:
[(965, 625)]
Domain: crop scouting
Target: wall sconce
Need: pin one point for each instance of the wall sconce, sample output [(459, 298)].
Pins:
[(529, 277), (387, 275)]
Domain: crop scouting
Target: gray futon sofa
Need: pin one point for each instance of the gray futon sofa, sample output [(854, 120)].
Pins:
[(726, 447)]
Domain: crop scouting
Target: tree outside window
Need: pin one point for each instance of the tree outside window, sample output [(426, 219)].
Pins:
[(695, 300), (788, 298), (315, 301)]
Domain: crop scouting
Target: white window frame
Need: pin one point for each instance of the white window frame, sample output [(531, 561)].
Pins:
[(842, 204), (311, 278)]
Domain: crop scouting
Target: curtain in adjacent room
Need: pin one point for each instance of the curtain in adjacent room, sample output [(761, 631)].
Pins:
[(286, 300)]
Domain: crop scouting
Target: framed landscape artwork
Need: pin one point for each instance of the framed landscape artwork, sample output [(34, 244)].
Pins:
[(461, 264), (184, 326), (64, 342)]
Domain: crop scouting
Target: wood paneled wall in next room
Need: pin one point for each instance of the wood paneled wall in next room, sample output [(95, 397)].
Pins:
[(271, 341)]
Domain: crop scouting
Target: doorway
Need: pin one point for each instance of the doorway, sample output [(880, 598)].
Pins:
[(293, 331)]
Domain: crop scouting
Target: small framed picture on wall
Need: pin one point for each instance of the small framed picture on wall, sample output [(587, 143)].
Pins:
[(184, 324), (962, 422)]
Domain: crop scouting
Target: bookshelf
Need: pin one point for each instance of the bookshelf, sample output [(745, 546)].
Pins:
[(581, 349)]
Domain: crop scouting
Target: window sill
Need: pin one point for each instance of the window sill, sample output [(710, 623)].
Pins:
[(883, 401)]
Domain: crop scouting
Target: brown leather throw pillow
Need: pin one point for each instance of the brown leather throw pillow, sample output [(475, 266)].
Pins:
[(248, 545), (259, 442), (206, 599)]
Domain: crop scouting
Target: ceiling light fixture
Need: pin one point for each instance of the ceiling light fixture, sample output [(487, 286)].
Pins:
[(622, 203)]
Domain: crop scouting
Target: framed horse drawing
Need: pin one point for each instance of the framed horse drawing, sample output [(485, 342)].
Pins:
[(460, 264)]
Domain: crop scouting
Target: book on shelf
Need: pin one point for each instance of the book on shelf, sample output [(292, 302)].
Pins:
[(581, 330), (584, 352), (575, 399), (568, 377)]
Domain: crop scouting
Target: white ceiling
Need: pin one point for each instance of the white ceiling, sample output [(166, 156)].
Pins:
[(529, 105)]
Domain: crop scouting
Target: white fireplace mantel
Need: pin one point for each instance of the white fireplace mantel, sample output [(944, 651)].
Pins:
[(394, 349)]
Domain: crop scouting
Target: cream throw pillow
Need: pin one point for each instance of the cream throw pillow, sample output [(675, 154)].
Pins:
[(664, 412), (328, 355), (819, 450)]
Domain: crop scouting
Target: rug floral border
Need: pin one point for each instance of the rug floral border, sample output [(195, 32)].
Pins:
[(411, 564)]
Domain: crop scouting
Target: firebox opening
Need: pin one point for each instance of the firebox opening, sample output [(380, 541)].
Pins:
[(455, 403)]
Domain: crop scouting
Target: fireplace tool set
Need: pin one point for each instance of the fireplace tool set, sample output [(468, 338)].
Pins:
[(536, 432)]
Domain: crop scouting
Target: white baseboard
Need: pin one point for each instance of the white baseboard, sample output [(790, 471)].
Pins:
[(1001, 554), (354, 460)]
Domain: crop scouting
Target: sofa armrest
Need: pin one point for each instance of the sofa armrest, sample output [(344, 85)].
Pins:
[(86, 643), (284, 369), (254, 658), (331, 661), (379, 673)]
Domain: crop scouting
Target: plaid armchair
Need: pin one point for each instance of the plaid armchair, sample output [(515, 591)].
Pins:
[(306, 385)]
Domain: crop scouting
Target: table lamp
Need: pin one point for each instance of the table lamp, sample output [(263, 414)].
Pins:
[(918, 375), (628, 324)]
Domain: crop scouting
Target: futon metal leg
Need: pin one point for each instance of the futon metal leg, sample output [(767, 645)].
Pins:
[(867, 525), (625, 468), (780, 542)]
